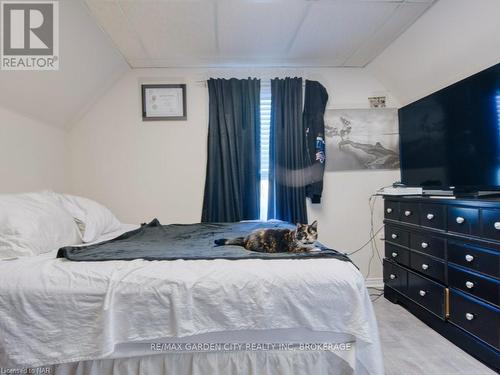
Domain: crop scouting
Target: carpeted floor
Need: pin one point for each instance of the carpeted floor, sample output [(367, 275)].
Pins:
[(412, 348)]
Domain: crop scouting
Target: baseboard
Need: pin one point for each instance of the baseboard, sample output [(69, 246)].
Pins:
[(375, 282)]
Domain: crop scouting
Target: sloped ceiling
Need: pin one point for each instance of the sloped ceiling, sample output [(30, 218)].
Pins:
[(455, 39), (89, 64), (202, 33)]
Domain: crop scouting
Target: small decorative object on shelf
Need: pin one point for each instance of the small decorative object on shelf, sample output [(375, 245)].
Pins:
[(377, 101)]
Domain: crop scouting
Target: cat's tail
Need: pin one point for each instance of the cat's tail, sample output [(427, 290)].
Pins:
[(239, 241)]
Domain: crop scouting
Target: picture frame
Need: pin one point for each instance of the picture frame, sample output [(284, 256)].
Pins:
[(377, 101), (361, 139), (164, 102)]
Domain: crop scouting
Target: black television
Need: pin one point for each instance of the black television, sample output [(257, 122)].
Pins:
[(450, 140)]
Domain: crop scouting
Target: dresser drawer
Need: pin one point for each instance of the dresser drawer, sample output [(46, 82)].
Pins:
[(427, 266), (483, 287), (427, 293), (479, 319), (409, 212), (427, 244), (463, 220), (391, 210), (397, 236), (395, 277), (432, 215), (490, 224), (397, 254), (475, 258)]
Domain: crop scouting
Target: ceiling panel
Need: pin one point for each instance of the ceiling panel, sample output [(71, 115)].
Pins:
[(333, 30), (115, 23), (262, 29), (165, 33), (178, 30), (404, 16)]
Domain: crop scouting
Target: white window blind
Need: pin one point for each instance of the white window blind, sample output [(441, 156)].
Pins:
[(265, 127)]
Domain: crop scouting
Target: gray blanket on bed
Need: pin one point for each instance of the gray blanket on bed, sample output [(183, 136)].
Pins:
[(154, 241)]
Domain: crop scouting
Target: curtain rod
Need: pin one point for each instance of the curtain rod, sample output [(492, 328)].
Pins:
[(266, 79)]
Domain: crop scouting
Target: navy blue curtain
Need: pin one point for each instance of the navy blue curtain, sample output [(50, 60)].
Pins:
[(232, 185), (288, 153)]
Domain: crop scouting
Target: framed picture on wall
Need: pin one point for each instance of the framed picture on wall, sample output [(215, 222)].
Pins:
[(361, 139), (164, 102)]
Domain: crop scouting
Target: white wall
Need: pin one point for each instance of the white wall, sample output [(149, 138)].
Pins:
[(33, 155), (89, 65), (143, 170), (451, 41)]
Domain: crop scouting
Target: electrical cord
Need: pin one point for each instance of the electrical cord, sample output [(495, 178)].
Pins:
[(372, 226), (371, 206), (373, 242), (381, 189), (377, 297), (371, 203), (366, 243)]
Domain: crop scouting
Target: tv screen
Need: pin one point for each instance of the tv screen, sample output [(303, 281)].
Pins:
[(451, 139)]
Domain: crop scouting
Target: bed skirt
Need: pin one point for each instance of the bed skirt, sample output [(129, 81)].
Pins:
[(219, 363)]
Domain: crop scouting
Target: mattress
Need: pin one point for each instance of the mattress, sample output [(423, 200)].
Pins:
[(53, 311)]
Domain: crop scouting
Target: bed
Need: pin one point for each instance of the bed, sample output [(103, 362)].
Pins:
[(186, 316)]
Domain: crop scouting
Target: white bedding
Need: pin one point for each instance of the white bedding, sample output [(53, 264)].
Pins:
[(215, 363), (58, 311)]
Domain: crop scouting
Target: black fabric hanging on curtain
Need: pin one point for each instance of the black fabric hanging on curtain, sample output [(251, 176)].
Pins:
[(288, 152), (232, 186), (316, 97)]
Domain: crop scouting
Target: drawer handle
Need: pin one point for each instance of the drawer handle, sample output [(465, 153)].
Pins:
[(389, 210), (469, 258), (394, 255), (425, 266), (424, 245), (422, 293), (497, 225), (460, 220), (392, 276), (430, 216), (407, 213), (394, 236), (469, 284), (469, 316)]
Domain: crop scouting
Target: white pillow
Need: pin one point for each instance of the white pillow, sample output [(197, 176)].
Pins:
[(93, 219), (34, 223)]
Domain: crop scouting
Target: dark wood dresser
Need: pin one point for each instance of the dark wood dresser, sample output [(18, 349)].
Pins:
[(442, 262)]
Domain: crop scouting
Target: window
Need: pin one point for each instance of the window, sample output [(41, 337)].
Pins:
[(265, 127)]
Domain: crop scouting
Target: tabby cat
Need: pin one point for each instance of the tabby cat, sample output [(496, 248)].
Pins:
[(301, 239)]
